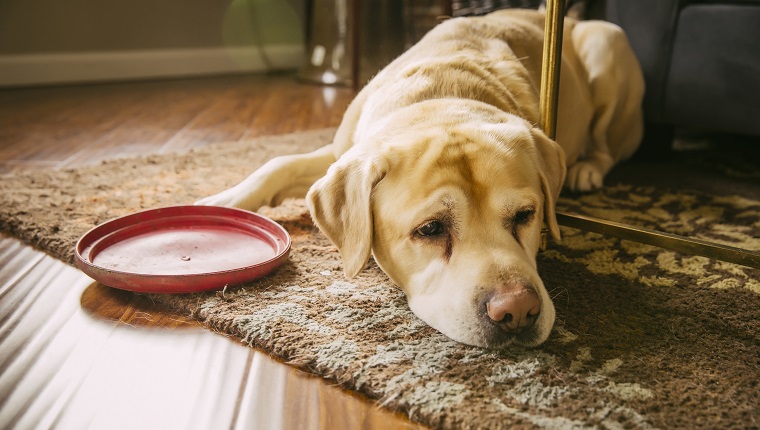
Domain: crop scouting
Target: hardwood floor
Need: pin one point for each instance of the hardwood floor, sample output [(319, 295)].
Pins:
[(76, 354)]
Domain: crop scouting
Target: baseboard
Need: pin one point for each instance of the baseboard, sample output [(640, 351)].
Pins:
[(67, 68)]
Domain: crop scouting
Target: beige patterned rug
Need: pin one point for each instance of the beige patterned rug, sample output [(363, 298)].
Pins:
[(645, 337)]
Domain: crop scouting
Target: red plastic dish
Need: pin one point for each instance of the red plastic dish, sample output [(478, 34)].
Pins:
[(182, 249)]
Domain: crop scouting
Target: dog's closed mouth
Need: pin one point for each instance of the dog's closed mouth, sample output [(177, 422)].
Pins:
[(496, 338)]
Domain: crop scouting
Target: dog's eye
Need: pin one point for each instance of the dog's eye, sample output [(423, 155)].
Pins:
[(430, 228), (523, 216)]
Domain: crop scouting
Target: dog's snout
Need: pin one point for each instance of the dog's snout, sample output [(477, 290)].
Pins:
[(513, 307)]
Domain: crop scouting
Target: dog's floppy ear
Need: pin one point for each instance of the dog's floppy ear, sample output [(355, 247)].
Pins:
[(552, 169), (341, 206)]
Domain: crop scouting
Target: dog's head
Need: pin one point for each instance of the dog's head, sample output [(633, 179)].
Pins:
[(452, 212)]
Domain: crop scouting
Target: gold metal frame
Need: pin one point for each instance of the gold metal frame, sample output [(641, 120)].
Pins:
[(550, 68), (549, 97)]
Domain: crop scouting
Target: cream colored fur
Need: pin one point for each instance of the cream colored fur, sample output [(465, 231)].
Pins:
[(446, 136)]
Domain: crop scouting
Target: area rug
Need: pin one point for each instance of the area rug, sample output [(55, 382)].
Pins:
[(645, 337)]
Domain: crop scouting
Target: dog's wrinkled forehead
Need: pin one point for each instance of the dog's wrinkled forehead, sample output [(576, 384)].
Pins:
[(438, 176), (472, 159)]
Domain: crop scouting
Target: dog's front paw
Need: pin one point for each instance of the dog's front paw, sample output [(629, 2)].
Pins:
[(221, 199), (584, 176), (232, 198), (226, 198)]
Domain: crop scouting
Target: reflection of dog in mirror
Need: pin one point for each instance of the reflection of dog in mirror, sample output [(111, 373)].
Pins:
[(439, 171)]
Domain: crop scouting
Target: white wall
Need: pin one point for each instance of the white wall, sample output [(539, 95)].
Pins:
[(68, 41)]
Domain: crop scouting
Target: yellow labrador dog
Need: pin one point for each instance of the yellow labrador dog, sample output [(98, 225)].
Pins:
[(439, 171)]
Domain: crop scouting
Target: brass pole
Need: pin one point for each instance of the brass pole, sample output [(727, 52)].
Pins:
[(552, 60), (663, 240)]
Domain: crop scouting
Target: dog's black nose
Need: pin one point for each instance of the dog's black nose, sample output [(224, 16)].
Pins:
[(513, 307)]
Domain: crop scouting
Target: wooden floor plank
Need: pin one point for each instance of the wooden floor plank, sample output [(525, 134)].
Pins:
[(225, 120), (51, 129), (144, 130), (295, 108)]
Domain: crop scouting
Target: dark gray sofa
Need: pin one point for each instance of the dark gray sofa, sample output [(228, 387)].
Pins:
[(701, 62)]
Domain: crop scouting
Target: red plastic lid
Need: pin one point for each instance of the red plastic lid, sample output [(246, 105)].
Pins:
[(182, 249)]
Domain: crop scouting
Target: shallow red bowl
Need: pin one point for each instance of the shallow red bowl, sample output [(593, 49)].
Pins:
[(182, 249)]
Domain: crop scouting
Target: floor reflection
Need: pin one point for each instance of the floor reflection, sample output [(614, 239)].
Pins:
[(111, 304)]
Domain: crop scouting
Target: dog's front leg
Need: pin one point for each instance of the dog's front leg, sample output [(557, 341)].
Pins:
[(279, 178), (617, 88)]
